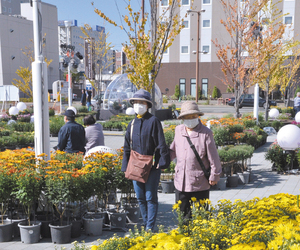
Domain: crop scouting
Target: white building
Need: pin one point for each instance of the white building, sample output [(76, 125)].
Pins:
[(16, 33)]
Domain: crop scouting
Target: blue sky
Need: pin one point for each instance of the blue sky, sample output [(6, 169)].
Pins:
[(83, 12)]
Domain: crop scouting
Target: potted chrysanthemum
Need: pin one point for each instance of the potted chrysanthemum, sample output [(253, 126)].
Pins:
[(59, 178), (28, 185)]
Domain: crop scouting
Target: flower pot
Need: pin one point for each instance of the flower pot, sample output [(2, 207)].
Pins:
[(6, 231), (30, 234), (246, 177), (133, 214), (241, 180), (45, 229), (15, 222), (93, 225), (167, 186), (232, 181), (76, 228), (117, 220), (221, 185), (60, 234)]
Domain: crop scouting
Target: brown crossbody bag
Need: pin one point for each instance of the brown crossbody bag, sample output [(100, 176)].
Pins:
[(139, 166)]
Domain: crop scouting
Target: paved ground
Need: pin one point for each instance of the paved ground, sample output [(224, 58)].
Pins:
[(264, 183)]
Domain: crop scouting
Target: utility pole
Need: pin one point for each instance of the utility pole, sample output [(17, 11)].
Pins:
[(40, 88)]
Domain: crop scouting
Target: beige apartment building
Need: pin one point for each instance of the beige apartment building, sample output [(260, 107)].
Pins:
[(179, 62)]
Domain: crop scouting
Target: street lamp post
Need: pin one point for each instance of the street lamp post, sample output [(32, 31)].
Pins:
[(70, 94), (197, 54)]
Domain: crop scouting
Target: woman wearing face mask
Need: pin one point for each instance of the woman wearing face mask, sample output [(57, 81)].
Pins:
[(147, 139), (189, 177)]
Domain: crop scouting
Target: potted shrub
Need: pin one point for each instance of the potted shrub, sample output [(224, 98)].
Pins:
[(58, 179), (6, 188), (28, 189), (167, 179)]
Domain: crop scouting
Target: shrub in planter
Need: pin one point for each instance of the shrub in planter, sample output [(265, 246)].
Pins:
[(4, 132), (55, 124), (23, 118), (276, 125), (221, 135), (169, 135), (23, 126), (83, 109), (51, 112), (249, 123), (9, 141), (277, 156), (5, 118)]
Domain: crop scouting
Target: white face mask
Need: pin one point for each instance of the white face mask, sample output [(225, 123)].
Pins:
[(191, 123), (140, 109)]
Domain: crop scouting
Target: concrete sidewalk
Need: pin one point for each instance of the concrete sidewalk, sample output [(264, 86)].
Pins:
[(264, 183)]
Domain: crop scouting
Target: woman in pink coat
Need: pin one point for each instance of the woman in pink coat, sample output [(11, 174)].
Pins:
[(190, 180)]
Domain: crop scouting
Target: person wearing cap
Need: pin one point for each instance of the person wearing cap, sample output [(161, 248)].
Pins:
[(189, 178), (147, 139), (71, 136)]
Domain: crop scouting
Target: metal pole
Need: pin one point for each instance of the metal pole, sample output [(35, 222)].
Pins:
[(40, 89), (197, 59), (70, 94)]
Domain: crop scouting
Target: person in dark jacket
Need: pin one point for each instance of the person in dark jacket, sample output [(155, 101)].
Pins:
[(71, 136), (147, 139), (83, 98)]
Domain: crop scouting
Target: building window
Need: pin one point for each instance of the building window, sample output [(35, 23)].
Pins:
[(185, 2), (193, 87), (288, 20), (166, 51), (184, 49), (3, 9), (9, 10), (182, 86), (206, 23), (206, 1), (9, 1), (204, 87), (164, 2), (185, 24), (205, 48)]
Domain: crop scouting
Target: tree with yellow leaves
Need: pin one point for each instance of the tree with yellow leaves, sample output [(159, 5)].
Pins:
[(145, 48), (232, 55), (270, 54), (25, 73)]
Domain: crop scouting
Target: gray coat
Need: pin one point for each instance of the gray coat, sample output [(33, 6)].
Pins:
[(94, 136)]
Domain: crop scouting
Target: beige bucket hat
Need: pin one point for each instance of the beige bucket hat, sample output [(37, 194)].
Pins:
[(189, 108)]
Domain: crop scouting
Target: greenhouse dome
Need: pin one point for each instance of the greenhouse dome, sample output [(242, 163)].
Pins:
[(120, 90)]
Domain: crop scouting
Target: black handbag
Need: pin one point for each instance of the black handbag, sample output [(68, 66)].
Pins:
[(205, 171)]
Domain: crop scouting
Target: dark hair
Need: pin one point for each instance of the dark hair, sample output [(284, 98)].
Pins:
[(71, 119), (89, 120)]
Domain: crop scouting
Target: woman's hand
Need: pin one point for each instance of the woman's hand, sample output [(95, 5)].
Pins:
[(212, 183)]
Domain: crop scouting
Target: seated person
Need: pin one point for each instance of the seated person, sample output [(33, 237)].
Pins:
[(93, 133)]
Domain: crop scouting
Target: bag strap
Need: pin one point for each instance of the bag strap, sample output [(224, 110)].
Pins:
[(131, 130), (206, 173)]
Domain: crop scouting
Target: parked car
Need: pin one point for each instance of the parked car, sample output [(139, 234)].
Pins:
[(247, 100)]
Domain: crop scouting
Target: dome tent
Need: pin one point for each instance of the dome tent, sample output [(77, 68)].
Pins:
[(120, 90)]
